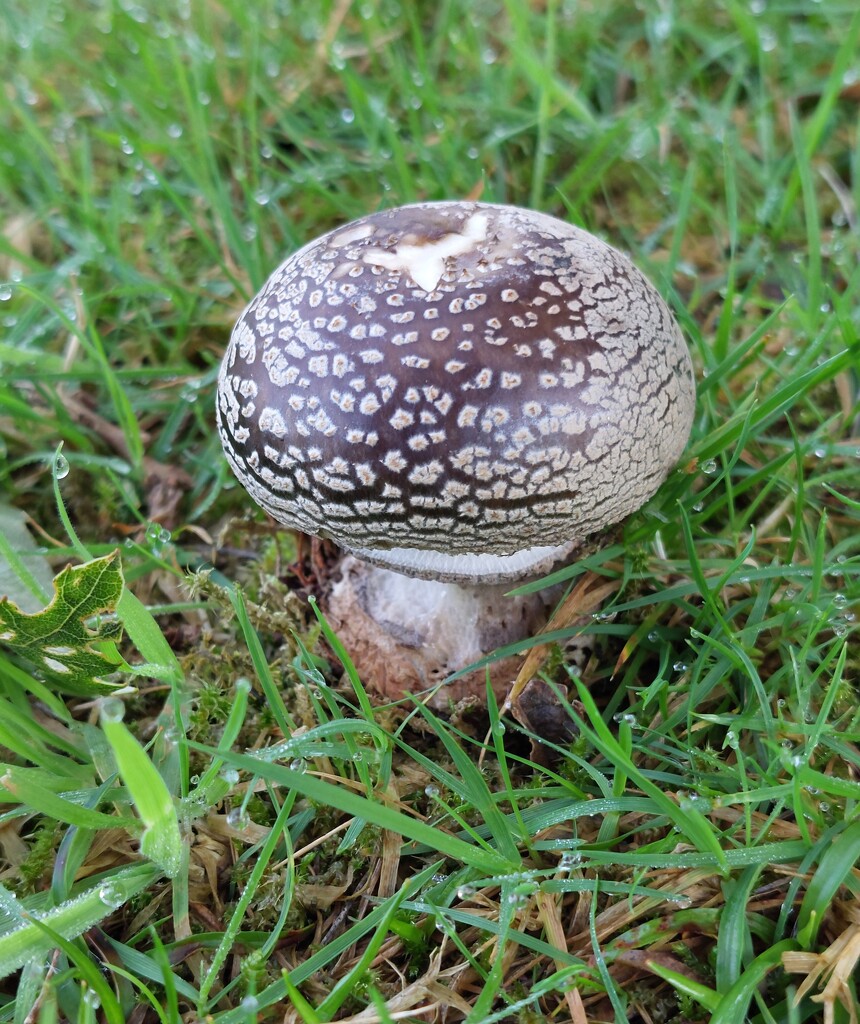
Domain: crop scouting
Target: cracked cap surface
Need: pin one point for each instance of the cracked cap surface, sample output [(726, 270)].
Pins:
[(455, 390)]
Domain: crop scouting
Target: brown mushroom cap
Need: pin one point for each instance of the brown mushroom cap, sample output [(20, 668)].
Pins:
[(456, 390)]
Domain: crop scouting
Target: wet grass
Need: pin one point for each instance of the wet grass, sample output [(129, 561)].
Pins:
[(692, 855)]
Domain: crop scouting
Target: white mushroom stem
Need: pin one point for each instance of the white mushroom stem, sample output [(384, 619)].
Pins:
[(407, 634)]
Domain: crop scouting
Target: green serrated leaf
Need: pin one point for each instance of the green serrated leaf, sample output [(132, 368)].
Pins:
[(68, 640)]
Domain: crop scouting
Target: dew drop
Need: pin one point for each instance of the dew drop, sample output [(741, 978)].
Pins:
[(243, 685), (61, 467), (153, 533), (230, 776), (237, 818), (5, 292), (709, 467), (110, 894), (91, 999), (347, 115), (432, 792), (112, 710), (680, 666), (653, 636), (250, 1004), (298, 764), (174, 131)]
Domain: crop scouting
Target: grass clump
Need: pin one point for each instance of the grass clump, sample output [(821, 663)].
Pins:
[(298, 851)]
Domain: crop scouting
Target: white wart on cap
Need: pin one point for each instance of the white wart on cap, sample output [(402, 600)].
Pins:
[(458, 391)]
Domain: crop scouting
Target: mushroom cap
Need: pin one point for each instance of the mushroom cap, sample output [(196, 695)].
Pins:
[(460, 391)]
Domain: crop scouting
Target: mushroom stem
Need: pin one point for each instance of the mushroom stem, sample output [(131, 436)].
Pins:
[(406, 635)]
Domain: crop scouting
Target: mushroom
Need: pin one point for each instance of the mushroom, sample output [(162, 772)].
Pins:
[(458, 394)]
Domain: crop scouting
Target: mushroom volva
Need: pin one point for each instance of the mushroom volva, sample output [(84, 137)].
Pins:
[(454, 392)]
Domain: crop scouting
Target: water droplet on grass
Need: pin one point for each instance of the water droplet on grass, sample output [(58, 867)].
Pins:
[(112, 710), (91, 999), (238, 819), (110, 894), (61, 467)]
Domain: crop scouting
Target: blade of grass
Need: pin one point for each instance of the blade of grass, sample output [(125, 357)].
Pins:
[(370, 810), (689, 822)]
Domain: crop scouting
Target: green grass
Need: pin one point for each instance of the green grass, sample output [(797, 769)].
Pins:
[(256, 834)]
